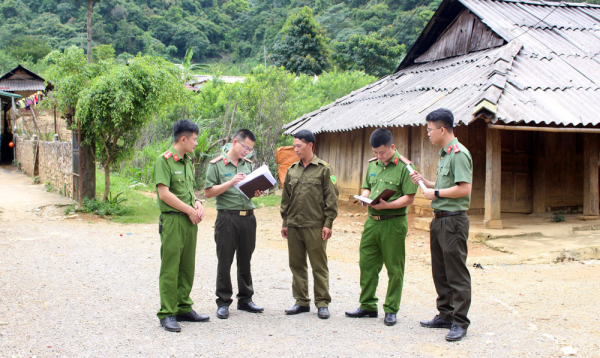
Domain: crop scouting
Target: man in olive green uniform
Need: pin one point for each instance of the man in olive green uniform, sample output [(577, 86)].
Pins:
[(180, 214), (384, 234), (235, 228), (451, 197), (308, 208)]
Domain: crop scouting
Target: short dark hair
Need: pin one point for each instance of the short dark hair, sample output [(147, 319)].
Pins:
[(242, 134), (306, 136), (381, 136), (442, 115), (184, 127)]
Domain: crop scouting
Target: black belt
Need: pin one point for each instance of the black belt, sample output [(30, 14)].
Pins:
[(174, 213), (443, 214), (383, 217), (238, 212)]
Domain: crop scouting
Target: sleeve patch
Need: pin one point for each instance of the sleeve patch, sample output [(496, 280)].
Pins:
[(333, 179), (216, 160)]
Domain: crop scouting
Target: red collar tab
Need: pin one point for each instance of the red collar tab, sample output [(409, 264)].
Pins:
[(167, 155), (175, 157), (396, 160), (449, 150), (225, 161)]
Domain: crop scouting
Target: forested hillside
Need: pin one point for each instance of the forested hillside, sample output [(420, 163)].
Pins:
[(226, 31)]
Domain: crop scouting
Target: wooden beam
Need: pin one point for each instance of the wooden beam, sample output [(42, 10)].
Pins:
[(539, 174), (493, 183), (590, 175)]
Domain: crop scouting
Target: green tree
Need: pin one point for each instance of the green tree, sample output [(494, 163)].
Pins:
[(302, 48), (118, 103), (376, 53), (103, 53)]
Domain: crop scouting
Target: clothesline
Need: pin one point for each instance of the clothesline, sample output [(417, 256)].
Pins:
[(32, 100)]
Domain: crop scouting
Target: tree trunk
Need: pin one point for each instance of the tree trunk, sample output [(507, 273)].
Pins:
[(89, 32), (106, 181)]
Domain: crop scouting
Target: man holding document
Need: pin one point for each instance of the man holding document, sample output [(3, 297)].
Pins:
[(308, 208), (385, 230), (235, 228)]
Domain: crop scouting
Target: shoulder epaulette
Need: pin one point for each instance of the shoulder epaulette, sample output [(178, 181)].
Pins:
[(168, 155), (456, 148), (405, 160), (294, 164), (372, 159), (216, 159), (248, 160), (323, 162)]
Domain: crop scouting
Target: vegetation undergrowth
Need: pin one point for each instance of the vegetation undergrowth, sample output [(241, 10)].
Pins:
[(132, 202)]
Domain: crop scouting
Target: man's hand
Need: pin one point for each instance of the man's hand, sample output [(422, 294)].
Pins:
[(326, 234), (237, 178), (382, 205), (416, 176), (194, 217), (198, 206), (284, 232), (429, 194), (258, 193)]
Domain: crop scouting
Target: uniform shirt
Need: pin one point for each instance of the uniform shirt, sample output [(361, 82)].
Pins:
[(455, 166), (310, 194), (177, 173), (393, 176), (220, 170)]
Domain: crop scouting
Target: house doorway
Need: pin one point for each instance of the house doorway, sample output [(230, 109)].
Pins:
[(517, 172)]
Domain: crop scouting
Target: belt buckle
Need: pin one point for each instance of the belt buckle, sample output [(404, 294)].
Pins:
[(376, 217), (243, 213)]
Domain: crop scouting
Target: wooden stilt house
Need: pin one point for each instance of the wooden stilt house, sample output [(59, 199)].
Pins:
[(523, 81)]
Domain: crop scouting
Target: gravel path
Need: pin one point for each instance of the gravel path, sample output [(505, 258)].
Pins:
[(83, 287)]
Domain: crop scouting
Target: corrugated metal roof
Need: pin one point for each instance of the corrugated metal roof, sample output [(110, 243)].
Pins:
[(554, 78), (22, 85)]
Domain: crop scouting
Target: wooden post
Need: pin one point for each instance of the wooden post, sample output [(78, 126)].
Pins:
[(539, 173), (493, 183), (590, 176)]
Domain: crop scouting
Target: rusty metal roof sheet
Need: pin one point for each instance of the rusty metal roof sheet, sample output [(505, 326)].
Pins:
[(547, 72)]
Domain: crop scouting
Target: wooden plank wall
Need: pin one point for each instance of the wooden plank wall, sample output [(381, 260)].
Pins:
[(564, 169), (467, 34)]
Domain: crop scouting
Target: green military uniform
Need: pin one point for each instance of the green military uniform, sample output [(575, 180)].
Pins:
[(448, 236), (177, 234), (383, 238), (309, 203), (235, 230)]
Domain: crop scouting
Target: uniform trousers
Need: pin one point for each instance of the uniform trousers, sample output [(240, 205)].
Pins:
[(382, 242), (178, 261), (451, 276), (235, 235), (302, 242)]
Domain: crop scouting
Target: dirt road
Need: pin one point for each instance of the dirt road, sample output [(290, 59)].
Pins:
[(86, 287)]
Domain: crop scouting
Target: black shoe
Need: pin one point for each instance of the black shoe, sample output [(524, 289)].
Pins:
[(170, 324), (295, 309), (250, 307), (323, 312), (436, 322), (191, 316), (456, 333), (390, 319), (360, 313), (223, 312)]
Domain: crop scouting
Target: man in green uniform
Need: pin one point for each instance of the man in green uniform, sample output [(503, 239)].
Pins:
[(451, 197), (383, 237), (180, 214), (235, 228), (308, 208)]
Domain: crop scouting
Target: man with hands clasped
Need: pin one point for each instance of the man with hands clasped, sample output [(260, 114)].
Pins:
[(180, 214), (308, 208), (383, 238), (235, 228), (450, 197)]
